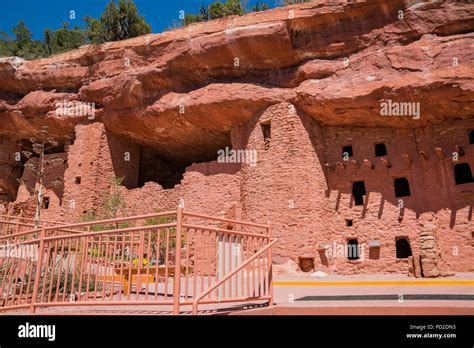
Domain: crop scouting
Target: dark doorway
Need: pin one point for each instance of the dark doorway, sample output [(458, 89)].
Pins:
[(402, 187), (352, 249), (156, 168), (267, 134), (471, 137), (462, 173), (45, 203), (266, 130), (380, 150), (358, 191), (403, 248), (347, 151)]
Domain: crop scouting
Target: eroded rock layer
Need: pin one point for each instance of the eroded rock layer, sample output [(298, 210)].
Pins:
[(360, 115), (334, 60)]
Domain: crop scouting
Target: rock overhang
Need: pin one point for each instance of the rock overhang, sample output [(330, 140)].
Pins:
[(181, 92)]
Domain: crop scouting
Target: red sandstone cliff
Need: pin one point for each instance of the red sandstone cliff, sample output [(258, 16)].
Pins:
[(334, 61)]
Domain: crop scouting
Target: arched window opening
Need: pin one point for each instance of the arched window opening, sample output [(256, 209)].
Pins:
[(462, 173), (403, 248)]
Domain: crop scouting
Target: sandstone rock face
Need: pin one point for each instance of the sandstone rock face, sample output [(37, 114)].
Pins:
[(323, 99)]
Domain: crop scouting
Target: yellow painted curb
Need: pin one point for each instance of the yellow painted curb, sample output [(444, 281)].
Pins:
[(376, 283)]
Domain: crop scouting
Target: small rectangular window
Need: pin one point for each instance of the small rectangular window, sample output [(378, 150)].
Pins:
[(347, 152), (380, 150), (45, 203), (402, 187), (78, 180)]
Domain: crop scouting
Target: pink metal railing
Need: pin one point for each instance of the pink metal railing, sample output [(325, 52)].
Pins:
[(14, 224), (175, 259)]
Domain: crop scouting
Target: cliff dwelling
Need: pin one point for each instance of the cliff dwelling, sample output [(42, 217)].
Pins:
[(330, 166)]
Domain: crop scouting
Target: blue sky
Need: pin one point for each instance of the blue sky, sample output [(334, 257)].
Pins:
[(41, 14)]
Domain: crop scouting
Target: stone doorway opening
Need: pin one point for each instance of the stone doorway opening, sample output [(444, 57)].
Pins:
[(402, 187), (358, 191), (403, 248), (462, 173), (353, 249), (156, 168)]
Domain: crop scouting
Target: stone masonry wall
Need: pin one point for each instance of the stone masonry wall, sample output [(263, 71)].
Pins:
[(287, 184), (208, 188), (432, 189), (311, 207), (303, 186), (93, 166)]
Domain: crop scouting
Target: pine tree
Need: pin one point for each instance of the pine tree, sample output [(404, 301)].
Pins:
[(233, 7), (216, 10), (63, 40), (118, 22), (22, 34), (24, 45)]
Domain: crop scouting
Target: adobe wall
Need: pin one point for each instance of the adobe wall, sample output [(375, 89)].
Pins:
[(301, 185), (287, 184), (432, 187), (97, 156), (95, 159), (293, 169), (208, 188)]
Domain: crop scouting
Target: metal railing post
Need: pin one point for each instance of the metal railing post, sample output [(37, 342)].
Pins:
[(38, 271), (270, 270), (177, 266)]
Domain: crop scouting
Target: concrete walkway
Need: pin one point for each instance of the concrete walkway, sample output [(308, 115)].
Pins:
[(372, 294), (332, 295)]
